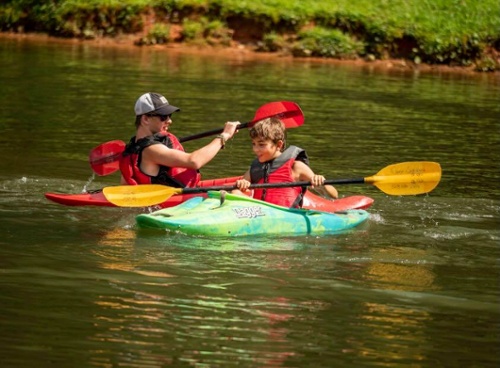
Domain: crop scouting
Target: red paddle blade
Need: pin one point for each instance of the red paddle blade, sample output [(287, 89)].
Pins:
[(105, 158), (287, 111)]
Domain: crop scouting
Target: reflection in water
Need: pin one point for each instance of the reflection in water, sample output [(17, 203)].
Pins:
[(401, 330), (204, 309), (198, 318), (399, 269), (398, 328), (403, 277)]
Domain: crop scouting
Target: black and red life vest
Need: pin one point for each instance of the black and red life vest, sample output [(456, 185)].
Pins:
[(130, 162), (279, 170)]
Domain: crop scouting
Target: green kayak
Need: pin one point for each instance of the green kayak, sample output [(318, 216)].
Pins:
[(225, 214)]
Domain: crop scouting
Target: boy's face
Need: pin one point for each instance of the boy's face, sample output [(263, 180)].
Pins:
[(265, 149)]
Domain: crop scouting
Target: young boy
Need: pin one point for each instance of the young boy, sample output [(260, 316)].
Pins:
[(274, 164)]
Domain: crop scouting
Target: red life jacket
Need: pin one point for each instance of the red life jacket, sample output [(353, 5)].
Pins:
[(130, 162), (279, 170)]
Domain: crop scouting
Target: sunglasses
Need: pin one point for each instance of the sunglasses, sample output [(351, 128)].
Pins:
[(163, 118)]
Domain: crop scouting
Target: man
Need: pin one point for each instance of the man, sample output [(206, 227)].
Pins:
[(155, 156)]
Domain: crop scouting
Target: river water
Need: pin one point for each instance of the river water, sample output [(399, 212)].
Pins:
[(418, 285)]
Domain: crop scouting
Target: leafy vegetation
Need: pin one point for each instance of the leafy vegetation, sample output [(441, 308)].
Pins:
[(453, 32), (204, 31), (319, 41), (157, 35)]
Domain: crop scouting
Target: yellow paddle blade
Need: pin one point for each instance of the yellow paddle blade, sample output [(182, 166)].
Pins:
[(139, 195), (407, 178)]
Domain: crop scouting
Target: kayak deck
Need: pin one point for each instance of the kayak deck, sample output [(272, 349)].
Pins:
[(229, 215)]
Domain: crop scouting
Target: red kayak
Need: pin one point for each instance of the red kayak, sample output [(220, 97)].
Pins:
[(311, 200)]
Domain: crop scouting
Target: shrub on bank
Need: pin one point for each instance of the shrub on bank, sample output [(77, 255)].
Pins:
[(322, 42), (204, 31), (455, 32), (157, 35)]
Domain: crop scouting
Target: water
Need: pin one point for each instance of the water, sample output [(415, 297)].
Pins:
[(418, 285)]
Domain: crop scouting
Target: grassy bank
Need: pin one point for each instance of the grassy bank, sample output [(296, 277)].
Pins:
[(449, 32)]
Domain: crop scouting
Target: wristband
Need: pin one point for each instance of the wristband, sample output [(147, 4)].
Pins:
[(223, 140)]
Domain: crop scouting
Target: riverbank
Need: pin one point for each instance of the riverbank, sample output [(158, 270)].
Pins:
[(408, 34), (241, 51)]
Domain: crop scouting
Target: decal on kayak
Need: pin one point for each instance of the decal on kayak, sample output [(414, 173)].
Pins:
[(249, 212)]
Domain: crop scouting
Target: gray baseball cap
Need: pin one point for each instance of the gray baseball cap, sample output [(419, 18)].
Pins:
[(154, 103)]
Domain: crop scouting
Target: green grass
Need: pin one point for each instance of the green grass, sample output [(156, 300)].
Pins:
[(456, 32)]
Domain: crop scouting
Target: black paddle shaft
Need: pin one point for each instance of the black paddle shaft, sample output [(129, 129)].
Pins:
[(272, 185), (282, 115)]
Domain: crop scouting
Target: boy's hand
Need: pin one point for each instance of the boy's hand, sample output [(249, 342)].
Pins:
[(317, 180), (242, 184)]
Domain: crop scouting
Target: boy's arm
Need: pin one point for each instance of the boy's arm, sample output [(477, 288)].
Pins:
[(302, 172)]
